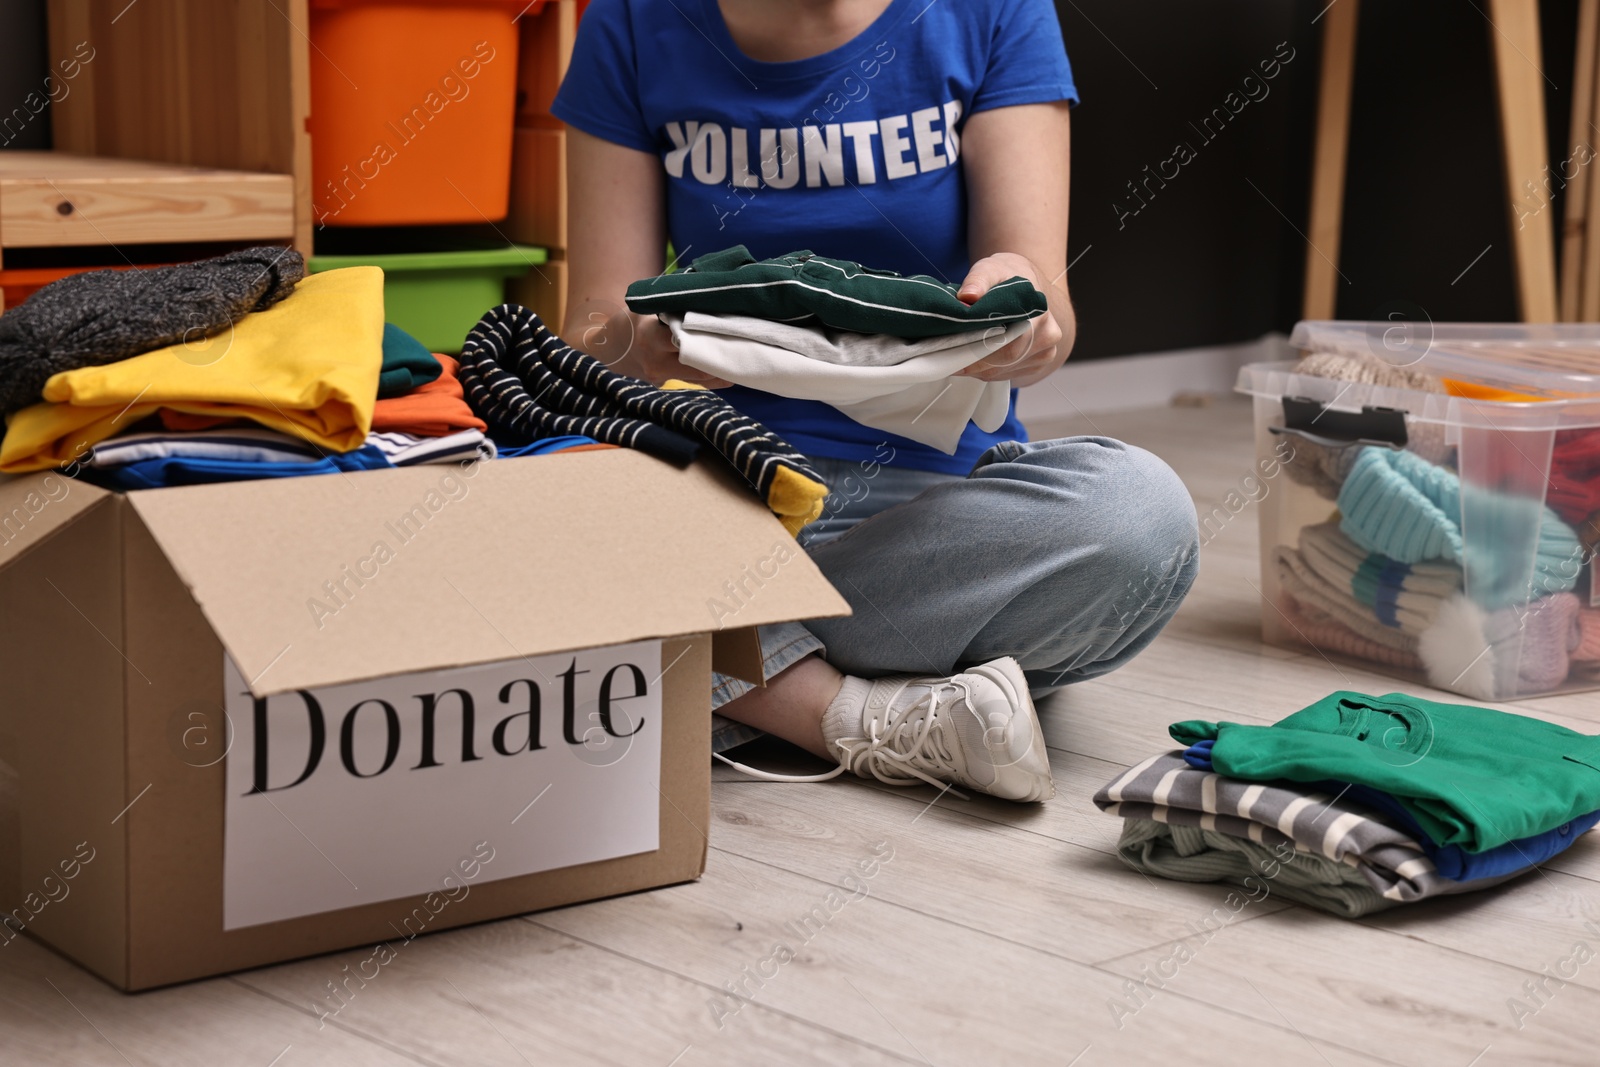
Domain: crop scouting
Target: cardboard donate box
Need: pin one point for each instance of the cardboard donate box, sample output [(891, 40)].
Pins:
[(247, 722)]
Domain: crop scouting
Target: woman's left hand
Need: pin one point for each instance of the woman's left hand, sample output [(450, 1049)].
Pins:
[(1037, 352)]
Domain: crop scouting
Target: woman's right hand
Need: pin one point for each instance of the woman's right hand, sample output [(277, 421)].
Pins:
[(639, 346)]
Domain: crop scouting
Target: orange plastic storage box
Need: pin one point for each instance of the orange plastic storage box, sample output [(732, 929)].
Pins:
[(412, 110), (19, 284)]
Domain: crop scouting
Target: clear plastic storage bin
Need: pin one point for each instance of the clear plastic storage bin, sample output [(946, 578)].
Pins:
[(1437, 501)]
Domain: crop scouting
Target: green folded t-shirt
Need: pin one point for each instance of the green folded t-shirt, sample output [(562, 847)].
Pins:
[(406, 363), (802, 287), (1470, 776)]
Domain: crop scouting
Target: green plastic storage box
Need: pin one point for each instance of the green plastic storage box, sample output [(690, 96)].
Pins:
[(437, 297)]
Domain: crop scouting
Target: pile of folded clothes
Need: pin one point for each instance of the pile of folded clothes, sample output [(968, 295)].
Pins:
[(1382, 800), (243, 367), (1391, 578), (879, 346)]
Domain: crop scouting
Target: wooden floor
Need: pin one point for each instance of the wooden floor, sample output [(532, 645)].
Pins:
[(986, 934)]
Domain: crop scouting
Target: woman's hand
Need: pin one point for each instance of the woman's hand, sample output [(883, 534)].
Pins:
[(1036, 353)]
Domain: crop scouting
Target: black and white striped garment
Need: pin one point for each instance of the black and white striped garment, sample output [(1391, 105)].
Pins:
[(527, 384), (409, 449)]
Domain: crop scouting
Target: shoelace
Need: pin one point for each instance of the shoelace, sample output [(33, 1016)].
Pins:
[(875, 751), (891, 755)]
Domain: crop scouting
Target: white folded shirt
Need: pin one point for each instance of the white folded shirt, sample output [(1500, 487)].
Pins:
[(245, 444), (903, 387)]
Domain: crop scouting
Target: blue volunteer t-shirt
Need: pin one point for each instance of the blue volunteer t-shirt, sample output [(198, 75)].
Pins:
[(855, 153)]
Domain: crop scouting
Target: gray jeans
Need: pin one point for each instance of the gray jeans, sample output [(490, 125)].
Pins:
[(1069, 555)]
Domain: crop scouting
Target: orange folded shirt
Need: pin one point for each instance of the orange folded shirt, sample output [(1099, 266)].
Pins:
[(432, 410)]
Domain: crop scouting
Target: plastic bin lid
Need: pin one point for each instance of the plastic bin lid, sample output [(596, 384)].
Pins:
[(514, 256), (1539, 359)]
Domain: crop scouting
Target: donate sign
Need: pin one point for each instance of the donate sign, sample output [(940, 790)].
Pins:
[(371, 791)]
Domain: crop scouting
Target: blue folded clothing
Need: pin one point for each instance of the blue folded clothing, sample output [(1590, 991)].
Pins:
[(546, 446), (1459, 865), (1453, 861), (166, 471), (162, 472)]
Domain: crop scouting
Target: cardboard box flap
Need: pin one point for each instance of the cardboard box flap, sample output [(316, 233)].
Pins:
[(321, 580), (34, 506), (738, 653)]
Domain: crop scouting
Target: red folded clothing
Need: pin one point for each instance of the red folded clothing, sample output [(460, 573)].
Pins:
[(180, 420), (432, 410)]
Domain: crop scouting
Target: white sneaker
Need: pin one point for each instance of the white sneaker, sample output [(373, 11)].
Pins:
[(978, 729)]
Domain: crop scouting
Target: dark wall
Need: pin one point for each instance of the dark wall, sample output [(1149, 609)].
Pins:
[(1217, 254), (22, 71)]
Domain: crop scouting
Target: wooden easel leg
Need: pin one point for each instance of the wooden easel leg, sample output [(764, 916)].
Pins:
[(1589, 272), (1574, 222), (1328, 162), (1519, 76)]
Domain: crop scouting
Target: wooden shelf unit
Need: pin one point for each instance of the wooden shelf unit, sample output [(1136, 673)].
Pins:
[(184, 127), (189, 123), (539, 156), (53, 199)]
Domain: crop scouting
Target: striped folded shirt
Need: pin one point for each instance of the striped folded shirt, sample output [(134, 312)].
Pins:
[(1166, 789), (407, 450)]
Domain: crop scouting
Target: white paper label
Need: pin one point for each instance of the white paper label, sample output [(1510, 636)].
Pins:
[(352, 794)]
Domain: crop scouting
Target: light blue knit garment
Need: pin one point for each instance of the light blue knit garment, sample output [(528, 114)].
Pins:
[(1401, 506)]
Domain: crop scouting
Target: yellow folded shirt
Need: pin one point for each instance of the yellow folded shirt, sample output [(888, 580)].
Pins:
[(307, 366)]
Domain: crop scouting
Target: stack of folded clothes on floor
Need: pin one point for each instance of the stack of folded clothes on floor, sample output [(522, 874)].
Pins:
[(1388, 578), (879, 346), (1382, 800), (242, 367)]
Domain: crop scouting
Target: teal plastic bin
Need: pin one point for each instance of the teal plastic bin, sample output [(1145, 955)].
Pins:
[(437, 297)]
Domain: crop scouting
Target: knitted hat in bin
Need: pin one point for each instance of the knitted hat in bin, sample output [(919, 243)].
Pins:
[(1326, 634), (1587, 650), (1402, 595), (1334, 603), (1401, 506), (1496, 655), (1325, 468)]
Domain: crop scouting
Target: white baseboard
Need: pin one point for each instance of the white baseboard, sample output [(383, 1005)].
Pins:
[(1127, 383)]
